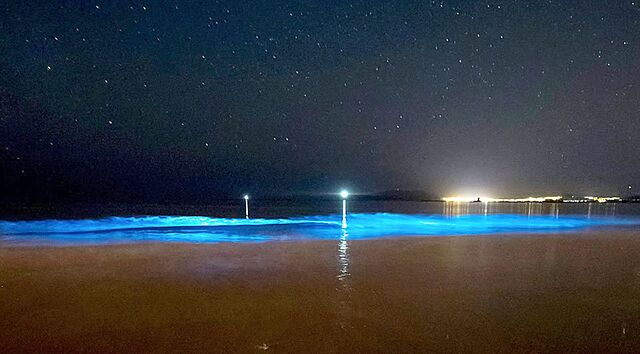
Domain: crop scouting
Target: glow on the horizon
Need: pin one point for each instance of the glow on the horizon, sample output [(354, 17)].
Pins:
[(344, 194), (602, 199), (459, 199), (554, 198)]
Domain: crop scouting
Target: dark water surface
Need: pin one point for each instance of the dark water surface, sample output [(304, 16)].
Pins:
[(285, 209)]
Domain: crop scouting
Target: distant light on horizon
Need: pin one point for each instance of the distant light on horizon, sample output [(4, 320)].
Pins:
[(459, 199), (555, 198), (344, 194), (603, 199), (485, 199)]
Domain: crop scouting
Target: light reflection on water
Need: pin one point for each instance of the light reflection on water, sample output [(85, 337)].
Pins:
[(529, 209)]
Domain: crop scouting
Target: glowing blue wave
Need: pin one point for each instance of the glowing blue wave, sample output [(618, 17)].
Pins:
[(360, 226)]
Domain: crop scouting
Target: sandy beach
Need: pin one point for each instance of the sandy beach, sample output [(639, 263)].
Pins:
[(573, 292)]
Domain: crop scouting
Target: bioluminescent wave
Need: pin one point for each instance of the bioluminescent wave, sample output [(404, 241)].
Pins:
[(360, 226)]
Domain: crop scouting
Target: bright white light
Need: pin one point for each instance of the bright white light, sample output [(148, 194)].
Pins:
[(246, 197), (510, 200), (603, 199), (344, 194), (467, 199)]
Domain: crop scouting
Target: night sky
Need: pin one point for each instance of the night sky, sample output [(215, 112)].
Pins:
[(189, 100)]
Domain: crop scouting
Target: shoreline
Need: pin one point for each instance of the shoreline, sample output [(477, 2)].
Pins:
[(584, 232)]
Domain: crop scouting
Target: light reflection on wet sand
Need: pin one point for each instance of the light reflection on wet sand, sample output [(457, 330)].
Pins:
[(344, 284), (573, 292)]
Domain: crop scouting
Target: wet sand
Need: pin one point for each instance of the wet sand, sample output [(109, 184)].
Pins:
[(577, 292)]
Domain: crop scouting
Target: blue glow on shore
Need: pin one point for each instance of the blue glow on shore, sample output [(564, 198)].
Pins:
[(200, 229)]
